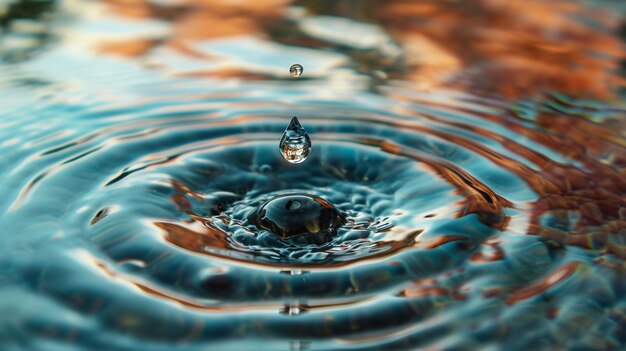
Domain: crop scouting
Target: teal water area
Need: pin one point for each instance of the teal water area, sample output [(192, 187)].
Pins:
[(139, 140)]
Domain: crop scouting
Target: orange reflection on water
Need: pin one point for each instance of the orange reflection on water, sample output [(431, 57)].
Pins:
[(547, 282), (490, 252), (515, 47), (429, 288), (201, 235), (192, 21)]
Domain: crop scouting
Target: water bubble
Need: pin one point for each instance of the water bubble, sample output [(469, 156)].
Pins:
[(296, 70), (292, 215), (295, 144)]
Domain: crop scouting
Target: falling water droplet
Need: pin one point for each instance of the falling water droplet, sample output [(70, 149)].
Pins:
[(296, 70), (295, 144)]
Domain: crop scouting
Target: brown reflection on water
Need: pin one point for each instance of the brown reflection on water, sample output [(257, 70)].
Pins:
[(516, 47), (429, 288), (193, 21), (590, 200), (200, 235), (438, 241), (234, 307), (128, 48), (595, 194), (544, 284), (194, 239), (479, 198), (204, 19), (491, 251), (189, 302), (197, 234), (203, 237)]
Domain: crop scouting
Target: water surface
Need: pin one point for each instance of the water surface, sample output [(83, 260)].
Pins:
[(474, 153)]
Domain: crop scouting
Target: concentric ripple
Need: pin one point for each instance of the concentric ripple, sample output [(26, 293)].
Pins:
[(150, 216), (128, 217)]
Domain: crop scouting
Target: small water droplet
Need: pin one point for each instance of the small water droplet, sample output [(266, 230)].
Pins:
[(296, 70), (295, 144)]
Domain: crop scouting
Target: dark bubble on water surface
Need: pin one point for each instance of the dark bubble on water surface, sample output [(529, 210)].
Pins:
[(306, 216)]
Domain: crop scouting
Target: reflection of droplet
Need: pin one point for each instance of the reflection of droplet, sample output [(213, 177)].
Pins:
[(293, 310), (296, 70), (299, 345), (295, 144), (294, 272)]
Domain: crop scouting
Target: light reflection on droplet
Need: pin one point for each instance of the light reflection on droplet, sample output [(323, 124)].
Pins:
[(293, 310), (294, 272)]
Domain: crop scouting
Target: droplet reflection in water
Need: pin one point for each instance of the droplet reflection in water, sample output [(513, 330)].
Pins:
[(296, 70), (295, 144), (293, 215)]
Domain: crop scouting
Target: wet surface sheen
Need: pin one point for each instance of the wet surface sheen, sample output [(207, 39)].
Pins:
[(466, 188)]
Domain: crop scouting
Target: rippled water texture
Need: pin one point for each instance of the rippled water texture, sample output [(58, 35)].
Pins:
[(466, 187)]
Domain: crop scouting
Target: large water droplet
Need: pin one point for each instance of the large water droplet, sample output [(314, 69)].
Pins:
[(295, 144), (296, 70), (293, 215)]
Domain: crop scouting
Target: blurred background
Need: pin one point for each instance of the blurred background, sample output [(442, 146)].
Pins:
[(512, 48)]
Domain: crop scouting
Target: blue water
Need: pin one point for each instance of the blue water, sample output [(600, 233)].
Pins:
[(482, 212)]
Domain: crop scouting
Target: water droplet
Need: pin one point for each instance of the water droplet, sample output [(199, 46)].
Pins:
[(295, 144), (292, 215), (296, 70)]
